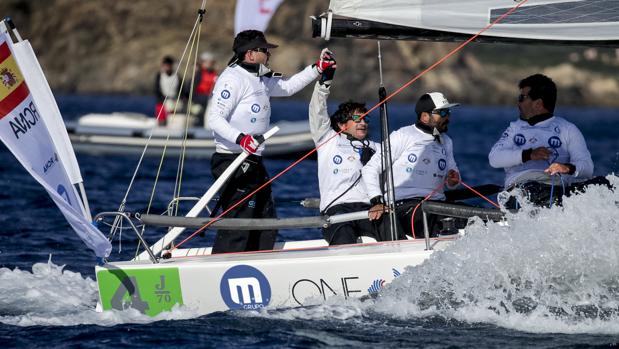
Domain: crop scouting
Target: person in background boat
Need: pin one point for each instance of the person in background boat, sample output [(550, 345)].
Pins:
[(239, 115), (423, 163), (541, 153), (167, 85), (204, 81), (340, 160)]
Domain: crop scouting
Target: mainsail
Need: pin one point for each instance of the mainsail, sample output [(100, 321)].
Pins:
[(26, 133), (556, 21)]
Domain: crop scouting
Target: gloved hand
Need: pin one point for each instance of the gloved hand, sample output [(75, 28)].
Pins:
[(327, 76), (249, 143), (326, 60)]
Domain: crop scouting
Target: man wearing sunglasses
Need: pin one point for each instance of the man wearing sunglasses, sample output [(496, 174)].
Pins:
[(423, 163), (239, 115), (540, 150), (343, 149)]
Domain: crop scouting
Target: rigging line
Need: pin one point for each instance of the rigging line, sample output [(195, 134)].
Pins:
[(480, 194), (158, 115), (165, 145), (121, 206), (419, 204), (192, 39), (181, 166), (437, 63)]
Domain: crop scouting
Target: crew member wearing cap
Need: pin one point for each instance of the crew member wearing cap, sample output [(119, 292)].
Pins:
[(423, 163), (240, 113), (540, 150), (340, 160)]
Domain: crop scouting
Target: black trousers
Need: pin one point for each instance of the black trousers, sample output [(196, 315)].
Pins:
[(404, 210), (541, 194), (249, 176), (348, 232)]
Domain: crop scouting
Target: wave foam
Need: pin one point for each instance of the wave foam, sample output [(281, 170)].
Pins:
[(548, 270), (52, 296)]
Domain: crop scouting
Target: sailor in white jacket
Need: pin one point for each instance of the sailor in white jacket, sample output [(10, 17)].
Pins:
[(423, 163), (239, 115), (340, 159), (541, 150)]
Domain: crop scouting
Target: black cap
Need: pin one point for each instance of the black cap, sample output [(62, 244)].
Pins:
[(249, 40), (432, 101), (168, 60)]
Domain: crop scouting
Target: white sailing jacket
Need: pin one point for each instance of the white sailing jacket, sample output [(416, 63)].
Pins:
[(241, 104), (559, 135), (339, 163), (420, 164)]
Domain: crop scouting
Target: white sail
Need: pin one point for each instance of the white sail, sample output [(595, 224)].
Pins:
[(254, 14), (564, 20), (24, 132), (41, 92)]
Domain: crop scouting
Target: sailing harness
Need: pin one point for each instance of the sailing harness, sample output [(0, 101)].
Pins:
[(396, 92)]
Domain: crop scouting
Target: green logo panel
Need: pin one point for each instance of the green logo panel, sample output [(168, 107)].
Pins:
[(150, 291)]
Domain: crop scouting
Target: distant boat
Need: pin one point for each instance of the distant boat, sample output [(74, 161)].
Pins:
[(128, 133)]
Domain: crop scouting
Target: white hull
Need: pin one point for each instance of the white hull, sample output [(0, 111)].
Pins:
[(276, 279)]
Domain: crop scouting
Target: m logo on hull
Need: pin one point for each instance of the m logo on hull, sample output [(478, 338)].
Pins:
[(245, 287)]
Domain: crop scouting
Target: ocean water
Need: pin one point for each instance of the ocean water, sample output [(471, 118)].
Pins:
[(550, 279)]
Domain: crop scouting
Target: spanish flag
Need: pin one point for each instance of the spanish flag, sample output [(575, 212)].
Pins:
[(13, 88)]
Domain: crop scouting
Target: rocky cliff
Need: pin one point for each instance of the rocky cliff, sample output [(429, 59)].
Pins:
[(115, 46)]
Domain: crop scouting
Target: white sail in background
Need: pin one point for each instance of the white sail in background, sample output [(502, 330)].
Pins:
[(254, 14), (565, 20), (24, 132)]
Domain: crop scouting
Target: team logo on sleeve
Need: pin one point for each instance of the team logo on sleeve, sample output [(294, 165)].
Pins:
[(255, 108), (519, 139), (412, 158), (225, 94), (554, 142), (337, 159), (442, 164)]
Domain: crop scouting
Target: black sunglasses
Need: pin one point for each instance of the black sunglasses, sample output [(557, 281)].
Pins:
[(442, 112), (261, 49)]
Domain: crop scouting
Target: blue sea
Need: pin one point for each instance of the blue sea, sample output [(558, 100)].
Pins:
[(550, 279)]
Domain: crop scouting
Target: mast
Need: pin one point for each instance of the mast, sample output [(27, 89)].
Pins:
[(387, 162)]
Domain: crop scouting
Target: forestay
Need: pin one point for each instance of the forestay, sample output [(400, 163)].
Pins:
[(567, 21)]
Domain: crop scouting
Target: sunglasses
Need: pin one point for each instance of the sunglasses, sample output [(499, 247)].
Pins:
[(359, 118), (261, 49), (442, 112), (521, 98)]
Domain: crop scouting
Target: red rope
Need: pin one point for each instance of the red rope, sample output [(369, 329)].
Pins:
[(437, 63), (480, 195), (419, 204)]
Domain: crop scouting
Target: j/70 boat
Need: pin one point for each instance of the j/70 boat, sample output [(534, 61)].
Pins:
[(163, 275)]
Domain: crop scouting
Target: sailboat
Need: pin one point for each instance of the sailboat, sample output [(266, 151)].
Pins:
[(163, 275)]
